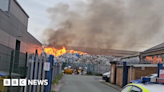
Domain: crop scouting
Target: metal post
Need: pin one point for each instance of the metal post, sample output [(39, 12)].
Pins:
[(28, 72), (11, 63), (153, 59), (53, 73), (125, 74), (25, 70), (39, 74), (31, 72), (48, 87), (158, 59), (149, 59), (35, 72), (43, 75), (160, 66), (55, 70), (11, 67), (9, 7), (93, 69)]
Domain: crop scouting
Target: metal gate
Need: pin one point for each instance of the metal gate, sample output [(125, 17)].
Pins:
[(36, 71)]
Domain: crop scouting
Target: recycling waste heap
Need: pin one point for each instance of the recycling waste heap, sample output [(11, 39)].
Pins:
[(71, 56)]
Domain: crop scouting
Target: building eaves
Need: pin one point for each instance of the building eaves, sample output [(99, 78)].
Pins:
[(138, 54), (21, 8)]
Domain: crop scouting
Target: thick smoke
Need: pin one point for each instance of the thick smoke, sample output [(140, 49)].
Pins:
[(112, 24)]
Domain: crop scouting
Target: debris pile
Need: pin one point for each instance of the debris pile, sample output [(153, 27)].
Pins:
[(84, 58)]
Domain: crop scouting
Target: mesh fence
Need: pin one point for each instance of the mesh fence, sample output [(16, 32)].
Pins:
[(57, 69), (12, 65)]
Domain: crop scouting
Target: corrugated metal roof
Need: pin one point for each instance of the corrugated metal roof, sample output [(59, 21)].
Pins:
[(155, 48)]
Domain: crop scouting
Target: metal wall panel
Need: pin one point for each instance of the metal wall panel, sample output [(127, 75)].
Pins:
[(18, 13), (3, 57), (12, 42), (26, 21), (14, 20), (3, 49), (5, 16), (13, 31), (14, 9), (20, 35), (0, 13), (20, 26), (4, 66), (23, 47), (4, 38), (5, 25)]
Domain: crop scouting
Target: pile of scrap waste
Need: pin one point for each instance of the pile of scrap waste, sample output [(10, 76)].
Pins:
[(75, 70), (84, 58)]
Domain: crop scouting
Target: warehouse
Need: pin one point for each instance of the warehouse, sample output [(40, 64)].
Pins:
[(153, 55), (132, 59), (15, 42)]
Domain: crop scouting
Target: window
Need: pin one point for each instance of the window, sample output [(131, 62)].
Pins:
[(126, 89), (135, 89), (4, 5)]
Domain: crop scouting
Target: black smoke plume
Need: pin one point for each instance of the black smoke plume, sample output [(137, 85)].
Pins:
[(112, 24)]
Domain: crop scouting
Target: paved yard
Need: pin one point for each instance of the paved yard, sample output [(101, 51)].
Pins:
[(77, 83)]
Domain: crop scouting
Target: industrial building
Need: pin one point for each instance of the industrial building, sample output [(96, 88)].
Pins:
[(154, 54), (16, 43), (132, 59)]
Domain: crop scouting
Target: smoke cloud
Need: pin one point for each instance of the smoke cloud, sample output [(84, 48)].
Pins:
[(112, 24)]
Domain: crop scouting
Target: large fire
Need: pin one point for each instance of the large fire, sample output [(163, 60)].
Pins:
[(154, 60), (58, 52)]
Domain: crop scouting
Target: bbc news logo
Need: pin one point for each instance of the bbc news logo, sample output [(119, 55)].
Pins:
[(23, 82)]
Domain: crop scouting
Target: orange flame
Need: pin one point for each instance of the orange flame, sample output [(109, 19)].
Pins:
[(154, 60), (58, 52)]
